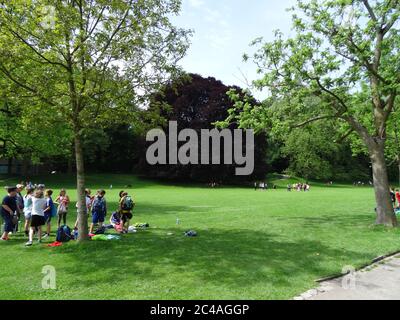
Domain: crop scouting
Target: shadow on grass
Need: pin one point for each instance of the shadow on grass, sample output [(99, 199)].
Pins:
[(233, 258), (340, 221)]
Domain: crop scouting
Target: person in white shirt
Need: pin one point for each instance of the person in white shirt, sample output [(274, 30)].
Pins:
[(28, 208), (89, 200), (37, 219)]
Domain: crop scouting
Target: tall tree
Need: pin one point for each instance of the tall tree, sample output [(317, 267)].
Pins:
[(89, 61), (341, 48), (198, 103)]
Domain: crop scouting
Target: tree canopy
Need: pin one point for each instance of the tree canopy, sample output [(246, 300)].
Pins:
[(87, 63), (345, 56)]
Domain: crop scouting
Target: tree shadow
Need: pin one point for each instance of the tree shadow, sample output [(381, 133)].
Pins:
[(340, 221), (236, 259)]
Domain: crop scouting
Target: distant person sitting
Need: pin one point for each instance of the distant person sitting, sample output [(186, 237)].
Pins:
[(115, 221)]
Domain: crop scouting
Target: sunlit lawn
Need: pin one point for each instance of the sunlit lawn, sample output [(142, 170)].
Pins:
[(251, 245)]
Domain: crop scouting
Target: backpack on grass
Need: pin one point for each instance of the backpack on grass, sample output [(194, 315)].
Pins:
[(101, 230), (64, 234)]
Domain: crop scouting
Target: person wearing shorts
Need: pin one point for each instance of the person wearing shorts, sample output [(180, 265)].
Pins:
[(126, 213), (8, 210), (48, 211), (63, 202), (38, 220), (99, 210), (28, 208)]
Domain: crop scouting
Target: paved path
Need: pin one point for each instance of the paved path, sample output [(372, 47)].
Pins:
[(378, 281)]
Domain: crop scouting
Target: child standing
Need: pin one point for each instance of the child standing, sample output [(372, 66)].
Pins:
[(126, 206), (8, 210), (38, 216), (48, 211), (88, 200), (28, 209), (63, 201), (99, 210)]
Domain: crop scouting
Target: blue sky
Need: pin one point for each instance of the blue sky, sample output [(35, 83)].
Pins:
[(223, 30)]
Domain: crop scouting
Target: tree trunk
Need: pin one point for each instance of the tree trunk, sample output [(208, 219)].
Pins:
[(384, 207), (80, 177)]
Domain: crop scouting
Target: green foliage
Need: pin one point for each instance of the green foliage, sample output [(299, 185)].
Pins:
[(309, 151), (338, 47), (85, 64)]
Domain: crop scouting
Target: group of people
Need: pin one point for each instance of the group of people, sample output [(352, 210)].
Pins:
[(38, 208), (299, 187), (263, 186), (362, 184)]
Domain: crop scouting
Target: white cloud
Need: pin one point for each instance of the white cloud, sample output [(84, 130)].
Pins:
[(196, 3)]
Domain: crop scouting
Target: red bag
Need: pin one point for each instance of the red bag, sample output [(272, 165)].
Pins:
[(55, 244)]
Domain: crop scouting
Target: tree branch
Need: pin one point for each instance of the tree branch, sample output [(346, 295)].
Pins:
[(23, 85), (370, 10), (36, 51), (302, 124), (342, 138), (113, 34)]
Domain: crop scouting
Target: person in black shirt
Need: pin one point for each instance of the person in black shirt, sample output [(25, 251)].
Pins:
[(8, 209)]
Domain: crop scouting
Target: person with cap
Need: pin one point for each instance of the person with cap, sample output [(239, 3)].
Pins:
[(8, 211)]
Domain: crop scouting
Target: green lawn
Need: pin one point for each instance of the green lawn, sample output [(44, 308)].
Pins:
[(251, 245)]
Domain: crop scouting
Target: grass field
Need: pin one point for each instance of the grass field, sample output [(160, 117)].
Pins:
[(251, 245)]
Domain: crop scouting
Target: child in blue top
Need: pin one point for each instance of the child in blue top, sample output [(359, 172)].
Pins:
[(99, 210), (48, 211)]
